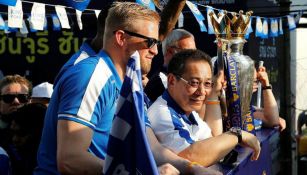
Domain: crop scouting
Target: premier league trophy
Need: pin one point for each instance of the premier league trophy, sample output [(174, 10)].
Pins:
[(230, 30)]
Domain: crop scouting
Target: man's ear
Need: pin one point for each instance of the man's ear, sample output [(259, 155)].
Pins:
[(171, 78), (120, 37), (170, 51)]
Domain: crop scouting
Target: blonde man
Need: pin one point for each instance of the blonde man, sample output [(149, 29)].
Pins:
[(80, 113)]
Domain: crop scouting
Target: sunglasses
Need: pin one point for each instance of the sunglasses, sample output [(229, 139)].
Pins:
[(150, 41), (9, 98)]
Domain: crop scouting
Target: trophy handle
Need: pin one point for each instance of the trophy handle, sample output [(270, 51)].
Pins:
[(259, 89)]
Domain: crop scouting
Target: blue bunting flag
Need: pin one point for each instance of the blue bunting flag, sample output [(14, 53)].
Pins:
[(259, 27), (147, 3)]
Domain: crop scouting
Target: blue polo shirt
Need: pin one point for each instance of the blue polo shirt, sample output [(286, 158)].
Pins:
[(85, 93), (84, 52), (173, 128)]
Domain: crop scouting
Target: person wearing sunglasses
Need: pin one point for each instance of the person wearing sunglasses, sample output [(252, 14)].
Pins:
[(80, 113), (15, 91), (177, 125)]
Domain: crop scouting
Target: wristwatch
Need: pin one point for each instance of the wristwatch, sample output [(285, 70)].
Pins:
[(266, 87), (237, 131)]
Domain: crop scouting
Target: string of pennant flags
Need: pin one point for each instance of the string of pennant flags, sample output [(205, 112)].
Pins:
[(264, 27)]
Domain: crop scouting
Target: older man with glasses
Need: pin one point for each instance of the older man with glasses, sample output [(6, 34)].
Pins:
[(15, 91), (177, 40), (177, 125)]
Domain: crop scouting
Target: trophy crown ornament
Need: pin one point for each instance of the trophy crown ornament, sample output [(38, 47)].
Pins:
[(230, 25)]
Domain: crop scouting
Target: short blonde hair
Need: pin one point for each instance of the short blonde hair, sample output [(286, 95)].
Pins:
[(10, 79), (122, 15)]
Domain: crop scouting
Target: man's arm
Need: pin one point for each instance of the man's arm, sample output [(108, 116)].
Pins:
[(73, 141), (213, 113), (209, 151), (163, 156), (270, 114), (169, 17)]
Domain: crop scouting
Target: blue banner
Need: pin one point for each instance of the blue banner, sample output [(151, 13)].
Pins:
[(147, 3), (202, 26), (274, 27), (8, 2), (2, 23), (56, 22), (259, 27), (197, 14), (46, 24), (249, 28), (128, 149), (265, 28), (77, 4)]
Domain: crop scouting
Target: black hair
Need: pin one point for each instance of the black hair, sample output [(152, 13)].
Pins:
[(180, 59)]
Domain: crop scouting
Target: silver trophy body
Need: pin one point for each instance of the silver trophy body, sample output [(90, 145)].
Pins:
[(246, 74)]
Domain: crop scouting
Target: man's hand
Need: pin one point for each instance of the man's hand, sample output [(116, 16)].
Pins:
[(168, 169), (218, 84), (201, 170), (262, 76), (282, 124), (251, 141)]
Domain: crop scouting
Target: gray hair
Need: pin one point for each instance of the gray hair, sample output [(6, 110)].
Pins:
[(173, 37)]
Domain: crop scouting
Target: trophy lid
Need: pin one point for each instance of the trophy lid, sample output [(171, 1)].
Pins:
[(230, 25)]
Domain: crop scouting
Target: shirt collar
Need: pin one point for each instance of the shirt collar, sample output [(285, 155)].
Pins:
[(172, 104), (103, 55)]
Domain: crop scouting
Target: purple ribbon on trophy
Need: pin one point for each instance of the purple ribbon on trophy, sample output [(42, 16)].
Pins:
[(233, 92)]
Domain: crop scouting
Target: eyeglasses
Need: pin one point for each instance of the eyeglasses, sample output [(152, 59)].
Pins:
[(9, 98), (196, 83), (176, 49), (150, 41)]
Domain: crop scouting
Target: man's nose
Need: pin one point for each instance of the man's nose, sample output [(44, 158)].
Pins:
[(16, 101), (154, 50), (201, 90)]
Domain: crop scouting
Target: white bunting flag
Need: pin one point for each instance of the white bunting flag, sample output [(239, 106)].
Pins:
[(61, 12), (38, 14), (97, 12), (180, 20), (15, 15), (291, 22), (79, 21)]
